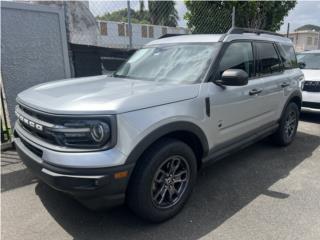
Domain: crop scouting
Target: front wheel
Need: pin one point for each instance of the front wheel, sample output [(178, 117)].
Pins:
[(288, 125), (162, 180)]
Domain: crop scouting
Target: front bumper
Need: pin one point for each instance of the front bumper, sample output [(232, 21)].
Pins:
[(310, 101), (94, 187)]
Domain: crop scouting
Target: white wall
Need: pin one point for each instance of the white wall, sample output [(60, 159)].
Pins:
[(300, 40), (112, 39)]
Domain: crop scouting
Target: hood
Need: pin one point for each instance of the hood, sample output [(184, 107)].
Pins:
[(311, 74), (103, 95)]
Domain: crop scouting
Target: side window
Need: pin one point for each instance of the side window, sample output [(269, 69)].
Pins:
[(238, 55), (268, 58), (288, 56)]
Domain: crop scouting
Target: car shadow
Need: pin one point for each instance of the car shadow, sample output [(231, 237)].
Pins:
[(221, 191), (13, 173), (310, 117)]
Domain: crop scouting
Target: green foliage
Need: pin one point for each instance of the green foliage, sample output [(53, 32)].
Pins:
[(208, 16), (163, 13), (122, 16), (159, 13), (215, 16)]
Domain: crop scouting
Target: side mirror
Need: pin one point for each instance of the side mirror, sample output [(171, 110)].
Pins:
[(234, 77), (301, 65)]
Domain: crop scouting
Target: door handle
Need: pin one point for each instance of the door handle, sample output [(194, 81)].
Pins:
[(255, 91), (285, 84)]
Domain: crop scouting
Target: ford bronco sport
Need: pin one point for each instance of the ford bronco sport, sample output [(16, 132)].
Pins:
[(141, 135)]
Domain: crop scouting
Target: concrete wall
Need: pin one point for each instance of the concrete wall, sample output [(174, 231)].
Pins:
[(33, 47), (81, 25)]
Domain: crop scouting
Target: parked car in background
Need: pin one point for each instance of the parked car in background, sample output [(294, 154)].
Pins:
[(310, 61), (142, 134)]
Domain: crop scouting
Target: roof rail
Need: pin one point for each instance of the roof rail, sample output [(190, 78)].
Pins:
[(238, 30), (171, 35)]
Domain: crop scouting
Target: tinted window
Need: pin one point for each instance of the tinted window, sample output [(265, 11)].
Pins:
[(238, 56), (288, 56), (311, 60), (269, 61)]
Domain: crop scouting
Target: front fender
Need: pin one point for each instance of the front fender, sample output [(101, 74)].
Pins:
[(164, 130)]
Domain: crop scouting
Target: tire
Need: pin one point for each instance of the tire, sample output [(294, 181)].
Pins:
[(288, 126), (152, 180)]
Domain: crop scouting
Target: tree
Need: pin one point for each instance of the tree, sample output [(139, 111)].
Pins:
[(215, 16), (159, 13), (141, 16), (163, 13)]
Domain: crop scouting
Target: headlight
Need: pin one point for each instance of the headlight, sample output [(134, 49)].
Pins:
[(100, 132), (83, 134)]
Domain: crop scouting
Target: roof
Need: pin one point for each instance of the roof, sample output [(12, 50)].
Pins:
[(190, 38), (309, 27), (211, 38)]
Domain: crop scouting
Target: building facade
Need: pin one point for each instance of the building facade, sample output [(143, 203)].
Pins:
[(116, 34), (305, 40)]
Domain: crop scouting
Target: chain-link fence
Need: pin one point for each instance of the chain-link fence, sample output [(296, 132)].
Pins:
[(148, 20)]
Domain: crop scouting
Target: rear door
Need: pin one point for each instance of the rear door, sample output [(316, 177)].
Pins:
[(270, 70)]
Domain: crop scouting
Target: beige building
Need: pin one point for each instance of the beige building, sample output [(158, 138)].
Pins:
[(306, 38)]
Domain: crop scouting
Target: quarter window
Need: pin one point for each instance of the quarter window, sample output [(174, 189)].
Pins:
[(268, 59), (288, 56), (238, 56)]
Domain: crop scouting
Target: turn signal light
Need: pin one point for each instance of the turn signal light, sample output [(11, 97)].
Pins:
[(120, 175)]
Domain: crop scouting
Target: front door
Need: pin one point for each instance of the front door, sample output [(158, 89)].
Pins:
[(237, 110)]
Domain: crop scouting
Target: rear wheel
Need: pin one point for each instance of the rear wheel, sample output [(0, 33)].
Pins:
[(288, 125), (162, 181)]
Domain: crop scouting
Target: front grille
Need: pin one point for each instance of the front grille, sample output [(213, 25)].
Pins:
[(33, 149), (42, 133), (311, 105), (311, 86)]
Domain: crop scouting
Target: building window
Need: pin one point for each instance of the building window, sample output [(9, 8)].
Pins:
[(127, 30), (151, 32), (103, 28), (121, 29), (316, 42), (309, 40), (164, 31), (144, 31)]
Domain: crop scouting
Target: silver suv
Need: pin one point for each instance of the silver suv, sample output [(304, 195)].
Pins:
[(141, 135)]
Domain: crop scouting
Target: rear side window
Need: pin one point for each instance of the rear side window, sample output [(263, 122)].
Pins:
[(268, 59), (288, 56), (238, 55)]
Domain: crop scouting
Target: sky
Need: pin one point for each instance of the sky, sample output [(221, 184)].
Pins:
[(305, 12)]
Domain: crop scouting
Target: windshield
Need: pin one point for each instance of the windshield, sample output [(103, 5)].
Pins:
[(311, 60), (183, 63)]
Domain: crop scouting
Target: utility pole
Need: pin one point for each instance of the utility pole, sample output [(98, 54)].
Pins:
[(233, 16), (288, 30), (129, 24)]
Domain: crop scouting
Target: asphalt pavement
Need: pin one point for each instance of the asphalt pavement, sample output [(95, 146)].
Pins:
[(261, 192)]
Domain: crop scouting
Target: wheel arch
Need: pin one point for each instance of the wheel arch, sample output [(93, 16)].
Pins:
[(187, 132), (295, 97)]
